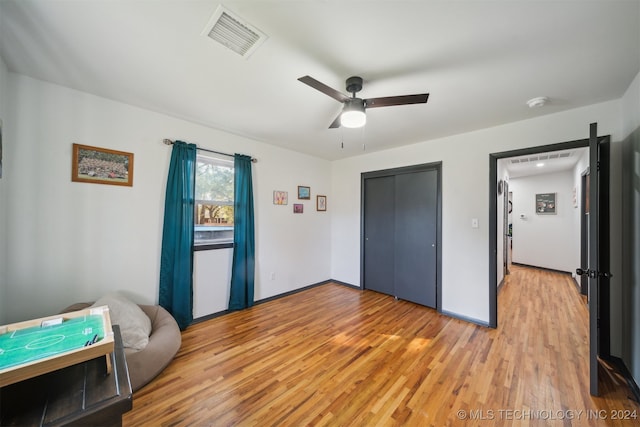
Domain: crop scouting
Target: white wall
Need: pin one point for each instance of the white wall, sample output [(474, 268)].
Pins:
[(4, 75), (465, 181), (631, 107), (75, 241), (547, 241), (629, 311), (211, 277)]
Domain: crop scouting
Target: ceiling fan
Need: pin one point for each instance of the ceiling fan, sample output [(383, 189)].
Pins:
[(353, 113)]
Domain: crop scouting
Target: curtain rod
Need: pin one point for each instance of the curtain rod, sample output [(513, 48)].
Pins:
[(170, 142)]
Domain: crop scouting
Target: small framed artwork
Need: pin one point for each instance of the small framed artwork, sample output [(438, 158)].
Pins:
[(304, 193), (546, 203), (321, 203), (280, 197), (101, 166), (298, 208)]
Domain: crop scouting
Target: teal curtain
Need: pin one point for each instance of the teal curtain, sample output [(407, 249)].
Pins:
[(243, 266), (176, 261)]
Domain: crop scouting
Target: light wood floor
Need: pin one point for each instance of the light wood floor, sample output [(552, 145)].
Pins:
[(337, 356)]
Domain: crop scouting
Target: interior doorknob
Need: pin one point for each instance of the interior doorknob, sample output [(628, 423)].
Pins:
[(593, 274)]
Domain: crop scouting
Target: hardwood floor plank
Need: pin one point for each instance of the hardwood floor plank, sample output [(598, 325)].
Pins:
[(337, 356)]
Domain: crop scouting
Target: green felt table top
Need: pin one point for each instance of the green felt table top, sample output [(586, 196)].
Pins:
[(26, 345)]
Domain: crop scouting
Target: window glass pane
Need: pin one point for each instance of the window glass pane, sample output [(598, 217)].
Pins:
[(214, 201)]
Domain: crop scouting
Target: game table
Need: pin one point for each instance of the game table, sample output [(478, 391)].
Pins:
[(67, 369), (38, 346), (79, 394)]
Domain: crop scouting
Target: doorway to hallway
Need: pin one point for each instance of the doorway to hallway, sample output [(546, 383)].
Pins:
[(598, 269)]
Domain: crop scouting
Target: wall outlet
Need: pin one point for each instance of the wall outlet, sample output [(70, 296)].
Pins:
[(273, 275)]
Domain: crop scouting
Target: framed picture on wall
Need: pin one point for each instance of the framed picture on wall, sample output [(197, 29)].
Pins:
[(321, 203), (101, 166), (280, 197), (304, 193), (546, 203), (298, 208)]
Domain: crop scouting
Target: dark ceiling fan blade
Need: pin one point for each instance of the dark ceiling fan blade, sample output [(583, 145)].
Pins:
[(338, 96), (336, 123), (396, 100)]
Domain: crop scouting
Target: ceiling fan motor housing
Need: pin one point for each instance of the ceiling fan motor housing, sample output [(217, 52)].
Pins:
[(354, 84), (355, 104)]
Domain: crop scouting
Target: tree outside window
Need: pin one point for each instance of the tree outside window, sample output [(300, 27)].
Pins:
[(213, 201)]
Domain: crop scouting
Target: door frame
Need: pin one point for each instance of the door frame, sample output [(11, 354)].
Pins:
[(437, 166), (493, 211), (599, 333), (584, 229), (599, 253)]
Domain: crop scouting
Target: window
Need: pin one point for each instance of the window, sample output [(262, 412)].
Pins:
[(213, 202)]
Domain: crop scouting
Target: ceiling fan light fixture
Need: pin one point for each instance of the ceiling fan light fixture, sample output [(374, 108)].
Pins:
[(353, 115)]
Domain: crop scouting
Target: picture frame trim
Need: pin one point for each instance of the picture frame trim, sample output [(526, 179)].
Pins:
[(546, 203), (304, 192), (321, 203), (77, 176), (280, 197)]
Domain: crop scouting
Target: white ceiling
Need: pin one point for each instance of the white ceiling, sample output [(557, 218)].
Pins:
[(479, 60)]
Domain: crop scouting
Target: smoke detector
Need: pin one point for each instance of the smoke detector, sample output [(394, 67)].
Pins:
[(537, 102)]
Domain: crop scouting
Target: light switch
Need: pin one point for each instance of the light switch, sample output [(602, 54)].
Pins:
[(474, 223)]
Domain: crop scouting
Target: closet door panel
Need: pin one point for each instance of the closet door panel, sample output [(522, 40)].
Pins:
[(379, 214), (415, 257)]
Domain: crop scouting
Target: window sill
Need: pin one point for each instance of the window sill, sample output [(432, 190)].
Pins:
[(212, 246)]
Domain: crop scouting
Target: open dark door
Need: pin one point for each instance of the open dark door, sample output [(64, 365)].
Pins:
[(598, 270)]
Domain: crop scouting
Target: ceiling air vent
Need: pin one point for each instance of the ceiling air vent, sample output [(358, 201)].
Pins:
[(234, 32)]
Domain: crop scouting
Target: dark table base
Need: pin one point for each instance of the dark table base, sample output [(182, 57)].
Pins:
[(79, 395)]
